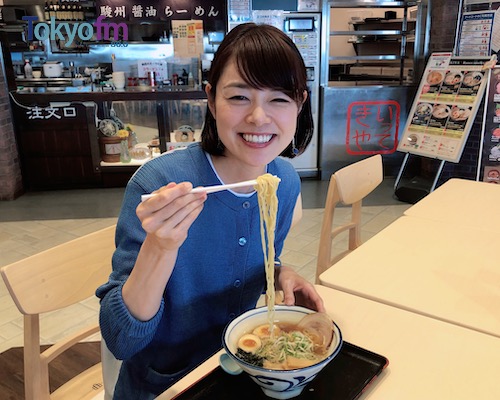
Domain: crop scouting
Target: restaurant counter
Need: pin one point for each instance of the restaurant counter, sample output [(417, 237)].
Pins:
[(58, 131), (43, 95)]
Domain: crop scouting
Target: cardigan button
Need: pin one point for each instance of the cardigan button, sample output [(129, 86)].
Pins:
[(246, 205), (242, 241), (237, 283)]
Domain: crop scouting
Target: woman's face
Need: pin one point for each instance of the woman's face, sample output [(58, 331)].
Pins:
[(254, 125)]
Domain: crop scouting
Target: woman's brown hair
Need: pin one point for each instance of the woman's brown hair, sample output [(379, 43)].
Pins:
[(266, 58)]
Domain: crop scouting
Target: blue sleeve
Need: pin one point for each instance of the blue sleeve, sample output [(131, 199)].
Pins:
[(125, 335)]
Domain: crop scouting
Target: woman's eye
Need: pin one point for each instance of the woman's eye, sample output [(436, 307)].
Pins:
[(281, 100), (238, 98)]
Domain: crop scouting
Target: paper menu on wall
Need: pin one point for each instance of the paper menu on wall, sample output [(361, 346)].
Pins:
[(188, 38), (476, 34), (157, 66)]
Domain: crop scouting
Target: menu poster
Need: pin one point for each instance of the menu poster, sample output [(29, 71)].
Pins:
[(187, 38), (489, 168), (475, 34), (444, 108)]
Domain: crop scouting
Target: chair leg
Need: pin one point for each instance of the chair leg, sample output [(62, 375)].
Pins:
[(355, 232), (36, 379)]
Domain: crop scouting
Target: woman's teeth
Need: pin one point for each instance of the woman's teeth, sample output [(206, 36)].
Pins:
[(257, 138)]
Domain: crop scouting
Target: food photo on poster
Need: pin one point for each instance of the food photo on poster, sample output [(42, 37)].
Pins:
[(422, 114)]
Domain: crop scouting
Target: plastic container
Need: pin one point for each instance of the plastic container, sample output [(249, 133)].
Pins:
[(28, 69)]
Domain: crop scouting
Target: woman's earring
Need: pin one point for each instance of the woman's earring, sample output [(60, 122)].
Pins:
[(295, 151), (220, 146)]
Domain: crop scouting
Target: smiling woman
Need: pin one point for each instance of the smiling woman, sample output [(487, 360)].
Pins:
[(280, 68), (186, 264)]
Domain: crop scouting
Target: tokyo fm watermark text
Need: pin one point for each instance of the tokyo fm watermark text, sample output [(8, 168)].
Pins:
[(82, 31)]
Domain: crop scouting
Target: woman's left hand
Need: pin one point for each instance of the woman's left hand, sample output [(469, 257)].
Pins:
[(297, 290)]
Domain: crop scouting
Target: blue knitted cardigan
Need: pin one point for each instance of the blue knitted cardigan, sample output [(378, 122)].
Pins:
[(219, 274)]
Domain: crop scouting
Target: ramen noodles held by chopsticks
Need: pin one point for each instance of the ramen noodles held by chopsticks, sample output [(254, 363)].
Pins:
[(267, 187)]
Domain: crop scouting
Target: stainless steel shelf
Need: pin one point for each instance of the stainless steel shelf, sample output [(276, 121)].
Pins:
[(385, 57), (367, 33), (53, 82), (370, 3)]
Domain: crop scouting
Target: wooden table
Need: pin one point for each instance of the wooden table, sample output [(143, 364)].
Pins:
[(439, 269), (469, 202), (428, 359)]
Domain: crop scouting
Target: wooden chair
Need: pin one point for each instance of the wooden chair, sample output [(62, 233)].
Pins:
[(52, 280), (349, 186)]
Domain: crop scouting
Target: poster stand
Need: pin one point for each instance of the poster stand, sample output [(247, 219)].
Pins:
[(441, 117), (418, 187)]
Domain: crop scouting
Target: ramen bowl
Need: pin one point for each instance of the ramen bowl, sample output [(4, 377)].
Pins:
[(278, 384)]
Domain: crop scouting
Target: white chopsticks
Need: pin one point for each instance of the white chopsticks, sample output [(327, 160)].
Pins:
[(211, 189)]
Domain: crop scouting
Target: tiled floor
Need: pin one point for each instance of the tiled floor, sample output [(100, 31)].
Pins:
[(37, 221)]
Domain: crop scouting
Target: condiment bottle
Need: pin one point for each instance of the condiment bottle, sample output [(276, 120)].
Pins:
[(151, 78), (185, 78), (28, 70)]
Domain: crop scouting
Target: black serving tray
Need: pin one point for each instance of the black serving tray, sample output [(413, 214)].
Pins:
[(344, 378)]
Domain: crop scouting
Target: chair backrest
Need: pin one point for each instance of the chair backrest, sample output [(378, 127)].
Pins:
[(51, 280), (349, 186)]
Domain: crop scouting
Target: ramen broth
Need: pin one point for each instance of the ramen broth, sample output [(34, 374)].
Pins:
[(292, 346)]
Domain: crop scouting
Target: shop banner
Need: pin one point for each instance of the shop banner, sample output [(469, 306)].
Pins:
[(444, 107), (489, 166), (210, 12)]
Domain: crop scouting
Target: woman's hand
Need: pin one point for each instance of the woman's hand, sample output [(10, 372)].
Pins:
[(297, 290), (167, 217)]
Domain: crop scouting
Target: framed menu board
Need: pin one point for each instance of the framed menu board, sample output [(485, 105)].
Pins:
[(489, 164), (475, 33), (444, 107)]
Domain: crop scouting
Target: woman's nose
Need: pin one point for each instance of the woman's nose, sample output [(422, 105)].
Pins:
[(258, 116)]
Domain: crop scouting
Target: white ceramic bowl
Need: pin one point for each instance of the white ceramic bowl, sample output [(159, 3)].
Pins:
[(274, 383)]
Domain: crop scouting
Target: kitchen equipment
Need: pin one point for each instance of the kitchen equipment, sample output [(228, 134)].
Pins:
[(53, 69), (390, 15)]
